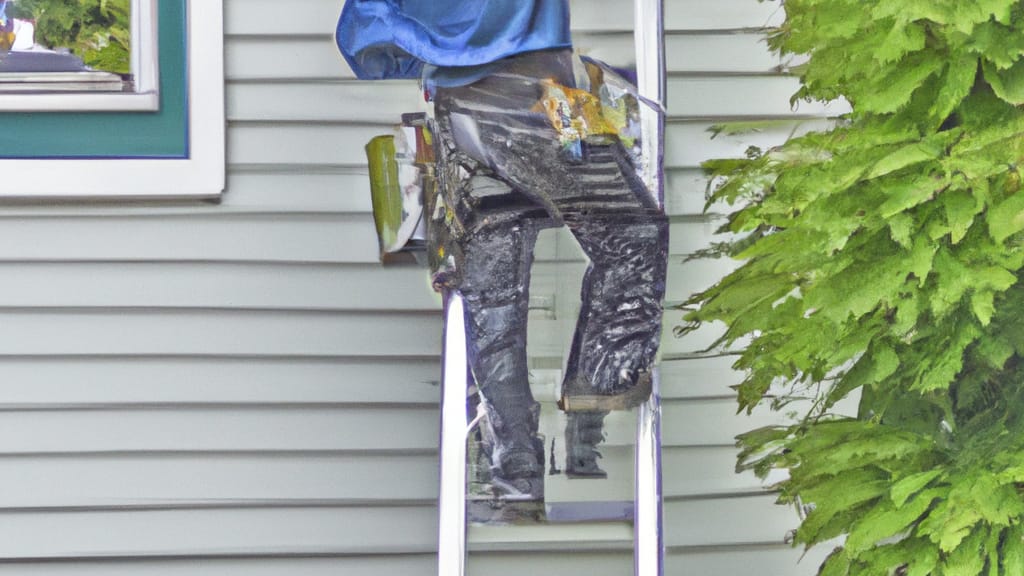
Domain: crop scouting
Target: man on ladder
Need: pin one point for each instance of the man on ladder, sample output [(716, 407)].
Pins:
[(527, 135)]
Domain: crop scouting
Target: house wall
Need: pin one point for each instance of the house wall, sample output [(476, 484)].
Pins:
[(239, 388)]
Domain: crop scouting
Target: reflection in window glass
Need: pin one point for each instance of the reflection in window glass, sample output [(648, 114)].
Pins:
[(66, 45)]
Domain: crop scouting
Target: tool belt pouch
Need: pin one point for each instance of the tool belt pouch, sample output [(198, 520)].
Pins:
[(401, 168)]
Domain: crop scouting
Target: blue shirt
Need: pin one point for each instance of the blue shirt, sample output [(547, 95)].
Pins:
[(396, 38)]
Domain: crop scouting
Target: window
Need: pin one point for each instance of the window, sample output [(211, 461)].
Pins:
[(175, 149)]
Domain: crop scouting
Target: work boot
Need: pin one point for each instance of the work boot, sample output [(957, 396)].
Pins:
[(580, 397), (520, 474), (583, 432)]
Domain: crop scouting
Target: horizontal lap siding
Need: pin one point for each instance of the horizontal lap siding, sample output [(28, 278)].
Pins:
[(769, 559), (316, 17), (191, 388), (239, 388), (721, 72)]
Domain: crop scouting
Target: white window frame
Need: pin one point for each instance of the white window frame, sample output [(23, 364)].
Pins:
[(198, 175), (145, 72)]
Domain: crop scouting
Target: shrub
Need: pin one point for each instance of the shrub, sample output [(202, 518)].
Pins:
[(882, 257)]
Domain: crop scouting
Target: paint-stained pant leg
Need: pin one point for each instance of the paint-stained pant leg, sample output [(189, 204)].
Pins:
[(494, 287), (603, 202), (619, 326), (495, 128)]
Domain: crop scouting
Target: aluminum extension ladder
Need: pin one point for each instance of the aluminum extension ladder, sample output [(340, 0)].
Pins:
[(648, 545)]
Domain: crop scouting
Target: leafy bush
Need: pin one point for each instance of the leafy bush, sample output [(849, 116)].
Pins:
[(98, 31), (883, 256)]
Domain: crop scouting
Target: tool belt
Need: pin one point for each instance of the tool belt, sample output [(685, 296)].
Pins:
[(415, 177)]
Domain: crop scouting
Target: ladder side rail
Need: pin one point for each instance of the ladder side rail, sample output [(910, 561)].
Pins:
[(451, 537), (649, 547)]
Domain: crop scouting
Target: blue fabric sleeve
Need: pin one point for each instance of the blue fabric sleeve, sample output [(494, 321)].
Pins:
[(394, 38)]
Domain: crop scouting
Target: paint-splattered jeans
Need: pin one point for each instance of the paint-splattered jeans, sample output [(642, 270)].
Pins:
[(506, 174)]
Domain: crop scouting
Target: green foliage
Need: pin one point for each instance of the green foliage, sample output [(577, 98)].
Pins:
[(883, 257), (98, 31)]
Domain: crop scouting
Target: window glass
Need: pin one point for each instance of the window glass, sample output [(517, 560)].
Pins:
[(78, 55)]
